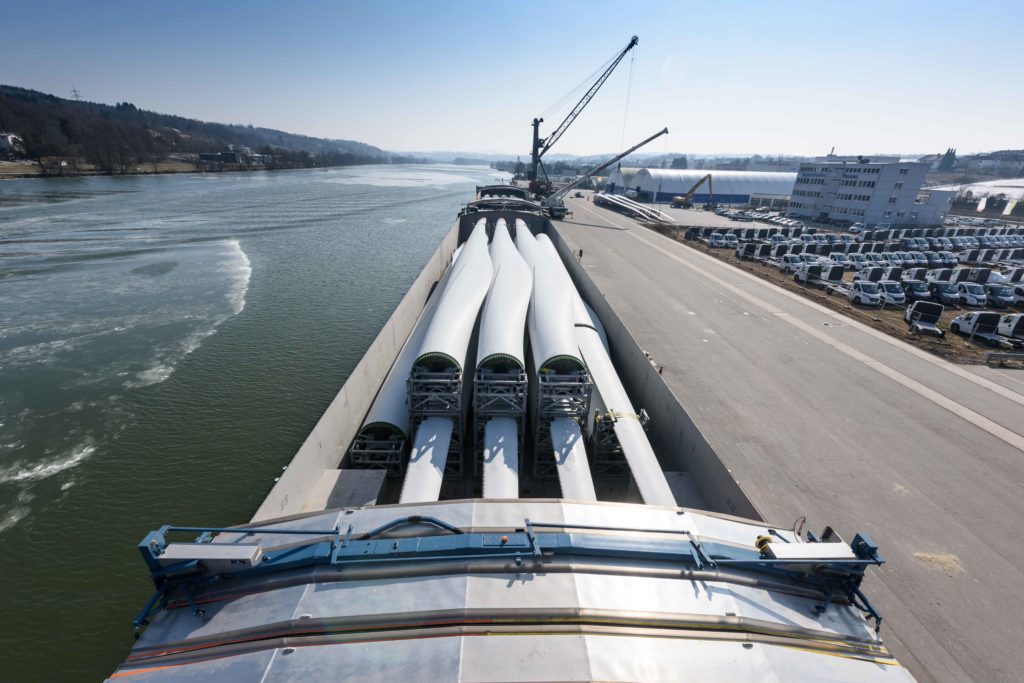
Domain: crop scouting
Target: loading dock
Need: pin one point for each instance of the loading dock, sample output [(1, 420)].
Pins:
[(813, 413)]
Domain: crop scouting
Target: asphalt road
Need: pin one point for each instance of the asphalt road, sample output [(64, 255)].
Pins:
[(818, 415)]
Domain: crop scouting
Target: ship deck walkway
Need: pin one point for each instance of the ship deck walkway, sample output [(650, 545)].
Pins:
[(818, 415)]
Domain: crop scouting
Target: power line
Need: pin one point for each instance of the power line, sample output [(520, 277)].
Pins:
[(75, 95)]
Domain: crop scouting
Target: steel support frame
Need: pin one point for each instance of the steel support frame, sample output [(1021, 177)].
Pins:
[(497, 394), (607, 459), (435, 394), (379, 454), (557, 396), (439, 394)]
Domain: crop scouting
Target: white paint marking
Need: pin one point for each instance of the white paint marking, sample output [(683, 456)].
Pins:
[(1008, 376)]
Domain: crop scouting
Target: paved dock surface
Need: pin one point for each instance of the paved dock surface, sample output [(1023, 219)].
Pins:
[(818, 415)]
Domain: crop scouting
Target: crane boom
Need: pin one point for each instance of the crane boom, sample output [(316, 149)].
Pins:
[(554, 203), (565, 190), (542, 145)]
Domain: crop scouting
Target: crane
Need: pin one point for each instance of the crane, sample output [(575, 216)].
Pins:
[(554, 204), (685, 201), (542, 145)]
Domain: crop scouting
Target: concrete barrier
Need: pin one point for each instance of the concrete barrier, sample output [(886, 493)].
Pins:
[(329, 440)]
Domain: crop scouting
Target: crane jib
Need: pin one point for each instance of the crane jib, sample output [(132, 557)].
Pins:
[(542, 145)]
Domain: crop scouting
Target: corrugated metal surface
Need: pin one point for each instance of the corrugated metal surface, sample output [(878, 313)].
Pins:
[(613, 620)]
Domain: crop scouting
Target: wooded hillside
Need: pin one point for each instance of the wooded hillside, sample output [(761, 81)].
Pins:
[(118, 138)]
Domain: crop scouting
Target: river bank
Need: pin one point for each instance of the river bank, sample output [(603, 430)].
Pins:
[(30, 169), (11, 170)]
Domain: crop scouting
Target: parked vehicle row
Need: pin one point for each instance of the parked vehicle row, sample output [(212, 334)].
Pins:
[(959, 243), (933, 249), (919, 275), (922, 282), (884, 232), (877, 292), (952, 225), (820, 273), (970, 287), (990, 328), (717, 240), (892, 252), (748, 233)]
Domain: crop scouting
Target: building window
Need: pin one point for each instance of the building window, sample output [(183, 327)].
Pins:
[(904, 171), (899, 186), (892, 200), (887, 214), (901, 214)]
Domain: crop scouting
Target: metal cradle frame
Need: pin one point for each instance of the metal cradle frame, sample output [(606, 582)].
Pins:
[(435, 394), (607, 457), (557, 396), (439, 394), (379, 454), (496, 394)]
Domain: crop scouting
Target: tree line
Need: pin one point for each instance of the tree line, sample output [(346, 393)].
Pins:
[(63, 135)]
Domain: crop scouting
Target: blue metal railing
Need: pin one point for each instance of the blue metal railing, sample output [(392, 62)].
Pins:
[(829, 577)]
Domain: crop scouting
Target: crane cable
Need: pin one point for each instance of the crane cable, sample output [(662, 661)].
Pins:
[(585, 83), (629, 89)]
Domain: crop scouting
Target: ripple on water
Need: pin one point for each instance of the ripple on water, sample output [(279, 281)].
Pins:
[(74, 340), (20, 472), (194, 435)]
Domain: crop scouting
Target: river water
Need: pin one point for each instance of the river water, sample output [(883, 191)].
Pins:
[(166, 343)]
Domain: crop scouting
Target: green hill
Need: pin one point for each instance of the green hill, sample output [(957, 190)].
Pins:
[(119, 138)]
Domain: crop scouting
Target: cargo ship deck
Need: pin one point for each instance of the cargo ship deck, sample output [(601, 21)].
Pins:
[(653, 564)]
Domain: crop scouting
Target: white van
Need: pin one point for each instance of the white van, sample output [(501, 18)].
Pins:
[(865, 293), (972, 294)]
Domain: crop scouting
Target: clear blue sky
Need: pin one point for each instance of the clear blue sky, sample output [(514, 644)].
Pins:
[(768, 77)]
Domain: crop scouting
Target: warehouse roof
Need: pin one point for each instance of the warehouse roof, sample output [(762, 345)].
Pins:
[(725, 182)]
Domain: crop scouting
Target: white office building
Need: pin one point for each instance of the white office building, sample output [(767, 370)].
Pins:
[(866, 190)]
